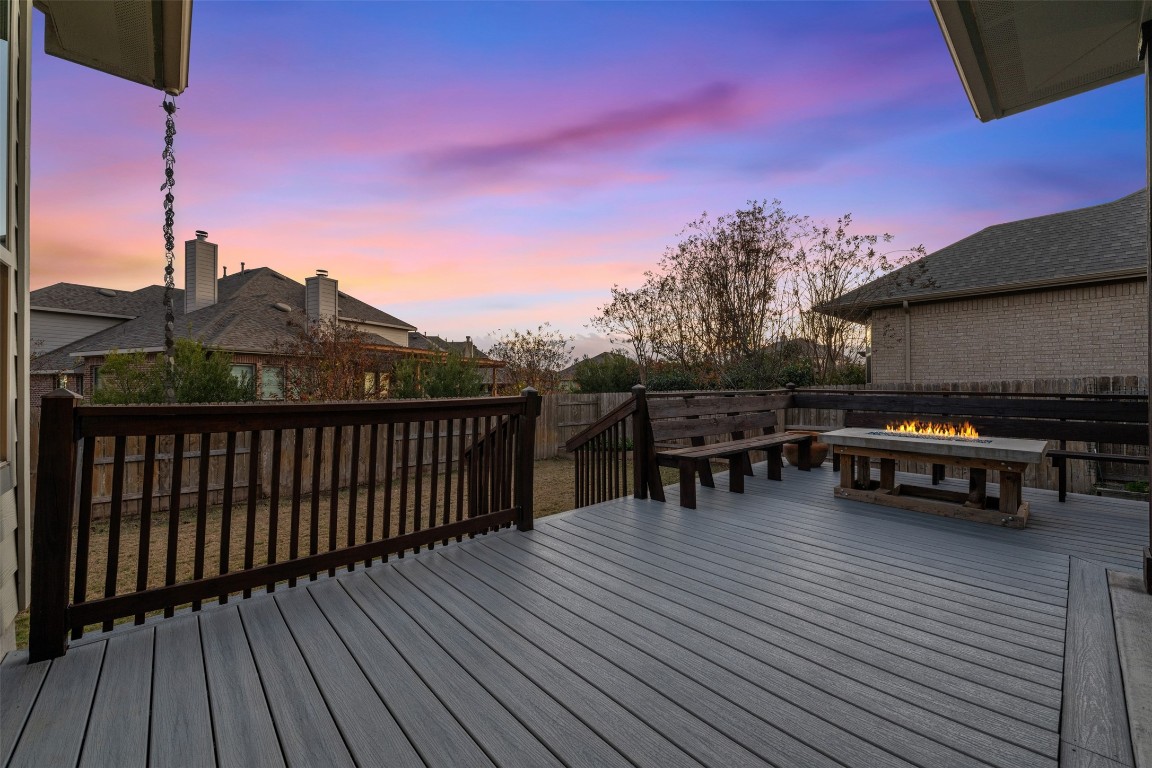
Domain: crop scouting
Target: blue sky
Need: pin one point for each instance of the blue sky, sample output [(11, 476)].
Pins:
[(470, 167)]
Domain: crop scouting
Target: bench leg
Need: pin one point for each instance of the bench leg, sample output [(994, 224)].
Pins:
[(736, 466), (688, 484), (773, 463), (704, 466), (977, 487), (937, 474), (748, 465), (835, 462), (1062, 482)]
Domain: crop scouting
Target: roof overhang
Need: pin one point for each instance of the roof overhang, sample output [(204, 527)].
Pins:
[(145, 41), (859, 311), (1018, 54)]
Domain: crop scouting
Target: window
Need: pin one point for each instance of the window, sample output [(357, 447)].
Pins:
[(272, 382), (243, 372), (96, 383), (369, 384)]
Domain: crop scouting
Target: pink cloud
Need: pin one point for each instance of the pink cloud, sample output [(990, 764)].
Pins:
[(711, 106)]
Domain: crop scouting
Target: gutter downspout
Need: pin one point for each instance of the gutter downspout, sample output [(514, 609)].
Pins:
[(907, 343), (1146, 55)]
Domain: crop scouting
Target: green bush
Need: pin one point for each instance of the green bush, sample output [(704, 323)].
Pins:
[(674, 378), (198, 375), (614, 372), (450, 376)]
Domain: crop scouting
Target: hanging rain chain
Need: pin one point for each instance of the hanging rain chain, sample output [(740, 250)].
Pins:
[(169, 106)]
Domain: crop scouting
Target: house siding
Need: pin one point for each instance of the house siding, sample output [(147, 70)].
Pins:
[(52, 330), (1097, 330), (397, 336)]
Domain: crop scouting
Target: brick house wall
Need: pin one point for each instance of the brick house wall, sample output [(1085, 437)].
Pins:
[(1092, 330)]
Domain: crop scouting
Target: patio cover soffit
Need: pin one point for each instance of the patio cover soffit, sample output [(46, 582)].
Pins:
[(145, 41), (1018, 54)]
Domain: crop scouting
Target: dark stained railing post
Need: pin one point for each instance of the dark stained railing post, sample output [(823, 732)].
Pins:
[(640, 443), (527, 466), (52, 526)]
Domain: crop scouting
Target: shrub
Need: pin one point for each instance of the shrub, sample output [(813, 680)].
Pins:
[(613, 372)]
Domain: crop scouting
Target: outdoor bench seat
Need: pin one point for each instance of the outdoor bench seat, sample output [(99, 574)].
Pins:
[(724, 420)]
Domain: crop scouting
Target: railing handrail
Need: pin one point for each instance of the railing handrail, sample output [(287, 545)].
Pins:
[(1090, 396), (142, 420), (601, 425)]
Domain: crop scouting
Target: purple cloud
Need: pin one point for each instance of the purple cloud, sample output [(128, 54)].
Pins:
[(711, 105)]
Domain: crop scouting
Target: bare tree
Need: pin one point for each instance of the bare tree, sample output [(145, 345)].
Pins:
[(327, 361), (715, 298), (533, 358), (631, 316), (831, 263)]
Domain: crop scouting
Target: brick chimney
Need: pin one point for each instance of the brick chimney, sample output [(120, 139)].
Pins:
[(200, 257), (321, 297)]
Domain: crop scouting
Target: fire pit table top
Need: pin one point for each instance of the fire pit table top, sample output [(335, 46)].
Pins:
[(1006, 449)]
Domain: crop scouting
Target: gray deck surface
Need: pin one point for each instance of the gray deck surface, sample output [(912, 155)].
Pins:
[(782, 626)]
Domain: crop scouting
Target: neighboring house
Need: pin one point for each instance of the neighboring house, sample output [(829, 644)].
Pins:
[(1055, 296), (247, 313)]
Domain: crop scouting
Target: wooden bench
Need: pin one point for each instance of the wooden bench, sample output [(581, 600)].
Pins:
[(1104, 418), (718, 427)]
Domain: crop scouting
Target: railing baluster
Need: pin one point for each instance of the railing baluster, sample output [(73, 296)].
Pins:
[(115, 513), (274, 507), (390, 470), (226, 508), (462, 469), (448, 436), (434, 478), (370, 511), (84, 527), (317, 466), (273, 546), (353, 480), (334, 492), (201, 510), (407, 433), (174, 504), (254, 446), (145, 549), (418, 492)]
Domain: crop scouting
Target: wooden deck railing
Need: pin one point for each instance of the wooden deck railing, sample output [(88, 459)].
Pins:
[(434, 470), (618, 445), (601, 454)]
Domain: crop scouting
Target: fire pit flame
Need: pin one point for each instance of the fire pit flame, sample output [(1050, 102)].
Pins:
[(931, 429)]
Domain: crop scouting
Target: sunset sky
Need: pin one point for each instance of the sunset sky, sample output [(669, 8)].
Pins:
[(474, 167)]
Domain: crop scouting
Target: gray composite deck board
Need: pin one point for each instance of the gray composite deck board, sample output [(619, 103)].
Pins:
[(118, 725), (562, 730), (242, 723), (726, 558), (54, 731), (19, 685), (762, 557), (783, 627), (306, 728), (477, 710), (181, 727), (891, 660), (1096, 716), (780, 662), (779, 730), (368, 727), (430, 727)]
